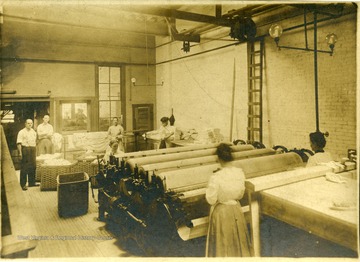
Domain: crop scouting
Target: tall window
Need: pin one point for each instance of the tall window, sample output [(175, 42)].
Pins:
[(109, 95)]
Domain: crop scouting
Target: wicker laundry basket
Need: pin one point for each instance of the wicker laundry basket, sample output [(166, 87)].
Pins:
[(84, 165), (50, 173), (40, 160)]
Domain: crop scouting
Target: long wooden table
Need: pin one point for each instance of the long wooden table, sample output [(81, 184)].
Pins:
[(18, 227), (307, 204)]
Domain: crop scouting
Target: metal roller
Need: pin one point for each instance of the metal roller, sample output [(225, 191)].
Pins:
[(197, 177), (131, 163), (198, 161), (169, 150), (173, 202)]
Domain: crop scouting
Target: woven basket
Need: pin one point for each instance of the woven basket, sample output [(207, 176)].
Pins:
[(50, 173), (39, 163), (84, 165), (38, 169)]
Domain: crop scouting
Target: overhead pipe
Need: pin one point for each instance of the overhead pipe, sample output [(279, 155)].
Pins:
[(240, 42)]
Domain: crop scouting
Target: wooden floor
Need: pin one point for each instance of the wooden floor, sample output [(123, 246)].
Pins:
[(81, 236), (84, 236)]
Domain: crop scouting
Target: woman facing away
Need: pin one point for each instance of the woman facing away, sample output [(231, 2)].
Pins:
[(227, 234), (317, 143)]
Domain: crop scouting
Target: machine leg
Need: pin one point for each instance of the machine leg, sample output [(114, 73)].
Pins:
[(255, 223)]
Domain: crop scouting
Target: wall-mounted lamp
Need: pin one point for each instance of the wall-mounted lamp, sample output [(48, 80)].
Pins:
[(276, 30), (331, 39), (133, 81)]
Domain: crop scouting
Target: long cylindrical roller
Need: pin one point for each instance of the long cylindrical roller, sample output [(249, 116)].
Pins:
[(164, 151), (131, 163), (195, 177), (205, 160)]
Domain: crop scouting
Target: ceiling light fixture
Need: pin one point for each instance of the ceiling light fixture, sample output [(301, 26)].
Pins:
[(186, 46)]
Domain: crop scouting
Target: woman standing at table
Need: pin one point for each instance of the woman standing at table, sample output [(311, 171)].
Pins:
[(227, 233), (167, 133)]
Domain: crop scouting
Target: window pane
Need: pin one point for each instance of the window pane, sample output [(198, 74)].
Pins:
[(109, 95), (104, 124), (115, 108), (115, 91), (103, 74), (66, 111), (104, 109), (104, 91), (115, 75), (74, 116)]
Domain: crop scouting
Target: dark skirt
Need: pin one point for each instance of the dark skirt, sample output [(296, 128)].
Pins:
[(227, 235)]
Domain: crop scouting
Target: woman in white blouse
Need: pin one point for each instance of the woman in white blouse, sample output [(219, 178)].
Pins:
[(317, 143), (113, 150), (227, 234), (167, 132)]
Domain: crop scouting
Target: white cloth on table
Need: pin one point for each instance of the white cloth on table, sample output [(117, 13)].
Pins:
[(95, 141), (57, 140)]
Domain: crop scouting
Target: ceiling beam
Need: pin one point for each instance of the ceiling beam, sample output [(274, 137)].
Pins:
[(182, 15)]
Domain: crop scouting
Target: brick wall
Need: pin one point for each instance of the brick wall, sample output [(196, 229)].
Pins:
[(290, 89), (199, 88)]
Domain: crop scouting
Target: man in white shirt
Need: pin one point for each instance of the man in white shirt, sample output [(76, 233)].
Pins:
[(116, 131), (45, 132), (26, 144)]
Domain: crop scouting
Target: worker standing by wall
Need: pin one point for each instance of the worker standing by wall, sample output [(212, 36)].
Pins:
[(45, 132), (26, 144)]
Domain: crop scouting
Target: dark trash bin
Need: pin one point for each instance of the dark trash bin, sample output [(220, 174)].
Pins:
[(73, 194)]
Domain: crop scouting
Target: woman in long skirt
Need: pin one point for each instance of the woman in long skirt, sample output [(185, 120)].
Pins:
[(227, 234)]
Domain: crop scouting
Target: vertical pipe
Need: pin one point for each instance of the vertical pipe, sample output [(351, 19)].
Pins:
[(316, 73), (305, 30), (232, 103)]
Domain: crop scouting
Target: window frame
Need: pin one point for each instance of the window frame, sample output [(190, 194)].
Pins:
[(122, 92), (59, 114)]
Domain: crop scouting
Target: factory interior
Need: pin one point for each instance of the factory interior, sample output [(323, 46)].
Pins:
[(257, 76)]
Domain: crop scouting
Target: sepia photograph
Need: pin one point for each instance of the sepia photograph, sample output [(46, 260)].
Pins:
[(179, 130)]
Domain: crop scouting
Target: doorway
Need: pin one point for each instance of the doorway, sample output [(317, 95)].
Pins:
[(13, 116)]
